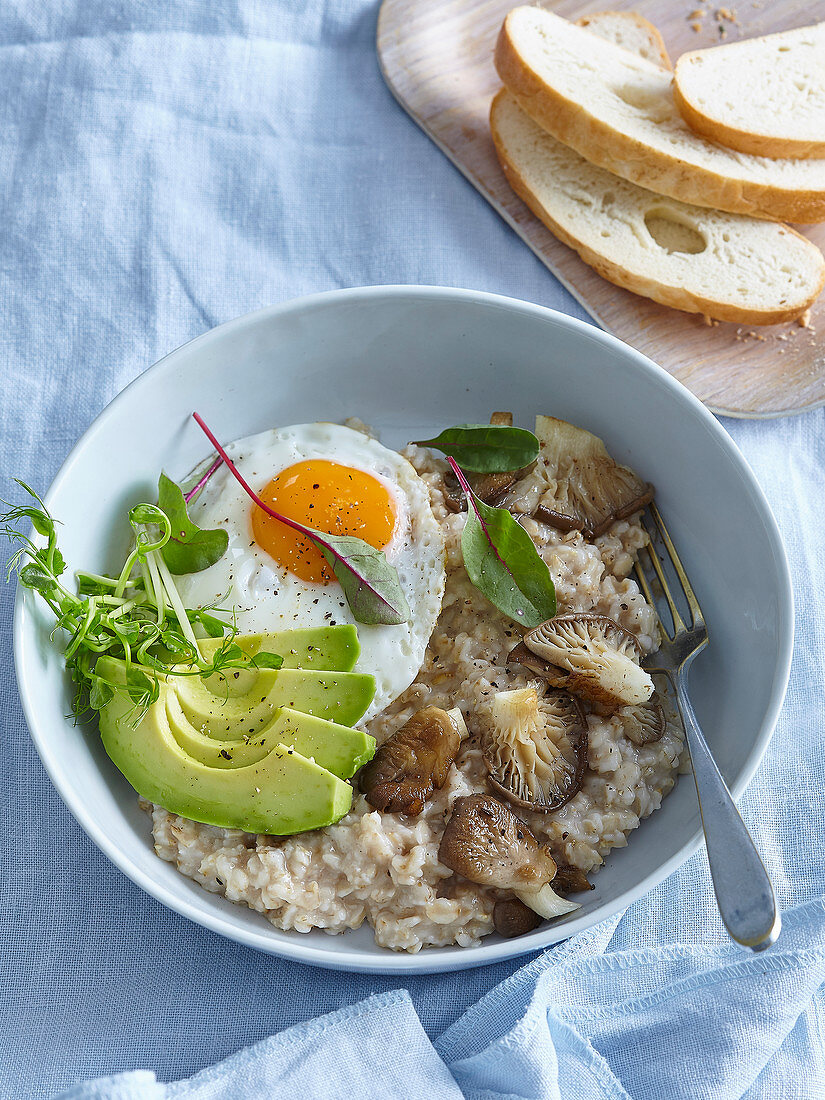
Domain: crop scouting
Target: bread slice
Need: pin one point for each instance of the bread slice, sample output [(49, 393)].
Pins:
[(631, 31), (726, 266), (617, 110), (764, 96)]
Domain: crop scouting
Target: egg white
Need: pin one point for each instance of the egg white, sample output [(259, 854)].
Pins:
[(265, 596)]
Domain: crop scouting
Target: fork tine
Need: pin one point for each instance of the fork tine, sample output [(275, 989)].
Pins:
[(642, 582), (678, 623), (678, 568)]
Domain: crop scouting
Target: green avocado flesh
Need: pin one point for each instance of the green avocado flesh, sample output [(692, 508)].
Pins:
[(338, 748), (322, 648), (262, 754), (340, 697), (280, 794)]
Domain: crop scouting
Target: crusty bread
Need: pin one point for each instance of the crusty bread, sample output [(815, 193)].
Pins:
[(764, 96), (726, 266), (631, 31), (617, 111)]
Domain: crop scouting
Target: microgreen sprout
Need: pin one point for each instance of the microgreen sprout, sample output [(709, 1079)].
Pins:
[(137, 616)]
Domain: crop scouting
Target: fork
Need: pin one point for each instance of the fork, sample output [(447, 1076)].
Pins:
[(743, 890)]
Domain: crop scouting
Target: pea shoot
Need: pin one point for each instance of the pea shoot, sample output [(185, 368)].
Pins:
[(137, 616)]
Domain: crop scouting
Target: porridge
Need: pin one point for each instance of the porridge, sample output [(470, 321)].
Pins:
[(416, 698), (384, 868)]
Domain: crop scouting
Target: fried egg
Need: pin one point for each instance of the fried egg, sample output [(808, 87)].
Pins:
[(333, 479)]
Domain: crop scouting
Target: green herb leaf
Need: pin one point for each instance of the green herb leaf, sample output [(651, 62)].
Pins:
[(503, 563), (189, 549), (264, 659), (486, 448), (370, 584), (142, 689), (99, 693), (211, 624), (35, 576)]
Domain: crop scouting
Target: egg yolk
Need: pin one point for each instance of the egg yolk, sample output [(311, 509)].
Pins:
[(335, 499)]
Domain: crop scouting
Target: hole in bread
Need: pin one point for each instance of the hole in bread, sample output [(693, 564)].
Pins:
[(608, 198), (648, 101), (673, 232)]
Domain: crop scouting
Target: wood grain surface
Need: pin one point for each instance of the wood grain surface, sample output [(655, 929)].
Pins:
[(437, 58)]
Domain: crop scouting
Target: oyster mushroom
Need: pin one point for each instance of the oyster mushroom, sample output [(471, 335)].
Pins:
[(414, 762), (537, 750), (586, 489), (588, 655), (487, 487), (485, 842), (570, 880), (511, 917), (644, 723)]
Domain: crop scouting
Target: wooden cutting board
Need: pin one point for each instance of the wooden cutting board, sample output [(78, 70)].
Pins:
[(437, 58)]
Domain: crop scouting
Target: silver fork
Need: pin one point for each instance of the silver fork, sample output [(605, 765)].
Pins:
[(743, 890)]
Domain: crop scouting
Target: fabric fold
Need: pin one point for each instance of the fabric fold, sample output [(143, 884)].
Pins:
[(579, 1022)]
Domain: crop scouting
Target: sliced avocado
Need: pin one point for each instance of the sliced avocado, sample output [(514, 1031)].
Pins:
[(338, 748), (341, 697), (280, 794), (323, 648)]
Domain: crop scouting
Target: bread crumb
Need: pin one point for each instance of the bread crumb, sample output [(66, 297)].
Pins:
[(726, 14), (696, 27), (804, 321)]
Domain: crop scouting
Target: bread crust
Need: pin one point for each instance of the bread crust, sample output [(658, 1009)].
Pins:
[(657, 43), (597, 141), (759, 145), (672, 296)]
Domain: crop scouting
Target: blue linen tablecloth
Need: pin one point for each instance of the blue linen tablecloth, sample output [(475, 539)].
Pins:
[(166, 165)]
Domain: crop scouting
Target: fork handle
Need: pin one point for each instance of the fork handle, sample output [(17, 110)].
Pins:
[(743, 890)]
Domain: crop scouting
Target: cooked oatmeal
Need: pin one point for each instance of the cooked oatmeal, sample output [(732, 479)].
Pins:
[(384, 868)]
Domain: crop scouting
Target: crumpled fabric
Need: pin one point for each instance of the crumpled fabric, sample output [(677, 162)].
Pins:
[(582, 1022), (166, 165)]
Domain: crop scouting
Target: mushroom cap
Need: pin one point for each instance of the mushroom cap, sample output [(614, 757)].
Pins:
[(536, 753), (643, 723), (487, 487), (570, 880), (590, 656), (511, 917), (485, 842), (586, 489), (414, 762)]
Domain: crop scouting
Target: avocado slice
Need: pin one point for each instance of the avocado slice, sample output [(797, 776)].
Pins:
[(341, 697), (338, 748), (279, 794), (322, 648)]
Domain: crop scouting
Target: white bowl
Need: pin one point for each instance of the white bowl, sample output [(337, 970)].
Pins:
[(410, 361)]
